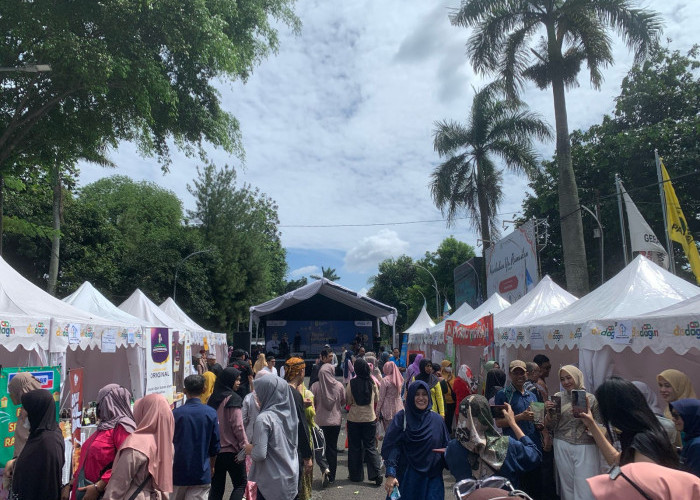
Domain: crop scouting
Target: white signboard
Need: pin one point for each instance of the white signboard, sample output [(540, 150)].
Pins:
[(159, 365), (511, 264), (109, 340), (73, 333)]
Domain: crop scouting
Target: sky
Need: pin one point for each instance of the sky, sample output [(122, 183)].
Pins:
[(337, 129)]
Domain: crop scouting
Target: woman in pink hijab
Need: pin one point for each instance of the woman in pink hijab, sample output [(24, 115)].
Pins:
[(143, 468), (389, 394)]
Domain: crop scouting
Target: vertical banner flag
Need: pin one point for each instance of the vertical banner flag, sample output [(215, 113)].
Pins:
[(677, 226), (159, 368), (76, 402), (50, 379), (642, 238)]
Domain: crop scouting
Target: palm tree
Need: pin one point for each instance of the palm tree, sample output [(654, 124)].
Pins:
[(567, 33), (469, 178), (328, 273)]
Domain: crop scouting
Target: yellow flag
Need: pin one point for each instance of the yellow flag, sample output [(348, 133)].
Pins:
[(677, 226)]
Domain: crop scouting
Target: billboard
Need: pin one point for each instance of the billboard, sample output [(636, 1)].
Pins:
[(468, 287), (511, 264)]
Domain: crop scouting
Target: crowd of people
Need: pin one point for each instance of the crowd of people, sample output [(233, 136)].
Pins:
[(406, 424)]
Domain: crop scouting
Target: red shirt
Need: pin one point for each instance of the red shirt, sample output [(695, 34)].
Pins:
[(100, 448), (461, 391)]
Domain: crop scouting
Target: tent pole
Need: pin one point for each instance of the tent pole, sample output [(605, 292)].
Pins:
[(622, 218)]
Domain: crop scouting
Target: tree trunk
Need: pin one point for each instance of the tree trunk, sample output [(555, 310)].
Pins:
[(56, 236), (575, 265), (485, 218)]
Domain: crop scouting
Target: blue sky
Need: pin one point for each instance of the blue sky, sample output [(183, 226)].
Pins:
[(337, 128)]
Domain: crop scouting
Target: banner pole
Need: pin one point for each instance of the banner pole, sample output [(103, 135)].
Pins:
[(672, 263), (622, 217)]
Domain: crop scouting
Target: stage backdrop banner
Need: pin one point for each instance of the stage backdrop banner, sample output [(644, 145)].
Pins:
[(159, 368), (479, 333), (511, 264), (76, 402), (50, 379)]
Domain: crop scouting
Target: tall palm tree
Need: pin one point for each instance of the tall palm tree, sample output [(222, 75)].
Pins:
[(546, 41), (328, 273), (469, 179)]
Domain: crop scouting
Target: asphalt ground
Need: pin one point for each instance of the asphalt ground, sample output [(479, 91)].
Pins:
[(344, 489)]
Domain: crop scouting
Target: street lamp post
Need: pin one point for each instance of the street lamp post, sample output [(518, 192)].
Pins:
[(602, 243), (177, 269), (437, 291)]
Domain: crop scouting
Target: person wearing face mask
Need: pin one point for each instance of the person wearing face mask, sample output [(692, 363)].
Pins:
[(411, 448), (575, 450), (673, 385)]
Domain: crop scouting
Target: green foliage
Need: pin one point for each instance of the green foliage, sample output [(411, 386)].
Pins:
[(658, 108), (125, 70), (292, 285), (450, 254), (328, 273), (241, 223)]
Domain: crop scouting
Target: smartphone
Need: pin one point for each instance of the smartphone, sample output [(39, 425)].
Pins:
[(557, 404), (579, 404), (497, 411)]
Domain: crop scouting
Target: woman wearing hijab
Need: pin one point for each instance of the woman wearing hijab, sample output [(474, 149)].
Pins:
[(260, 363), (361, 395), (495, 381), (674, 385), (449, 394), (426, 375), (37, 470), (575, 451), (480, 451), (97, 454), (143, 467), (374, 367), (462, 385), (21, 384), (250, 411), (624, 411), (686, 415), (329, 398), (348, 368), (411, 463), (227, 403), (657, 482), (389, 394), (652, 401), (413, 369), (488, 366), (209, 381), (275, 467)]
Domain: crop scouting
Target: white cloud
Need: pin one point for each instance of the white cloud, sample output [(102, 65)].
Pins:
[(371, 250), (304, 271)]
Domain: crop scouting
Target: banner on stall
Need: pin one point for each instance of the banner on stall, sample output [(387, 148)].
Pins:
[(76, 402), (50, 379), (479, 333), (187, 356), (159, 368)]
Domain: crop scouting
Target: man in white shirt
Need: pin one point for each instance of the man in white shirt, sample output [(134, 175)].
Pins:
[(270, 358)]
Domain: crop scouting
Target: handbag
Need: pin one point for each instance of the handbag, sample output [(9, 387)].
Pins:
[(318, 439), (82, 483)]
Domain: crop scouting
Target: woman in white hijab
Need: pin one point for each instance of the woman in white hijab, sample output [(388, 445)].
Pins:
[(274, 448)]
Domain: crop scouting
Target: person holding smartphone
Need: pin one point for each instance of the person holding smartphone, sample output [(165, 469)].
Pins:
[(575, 450)]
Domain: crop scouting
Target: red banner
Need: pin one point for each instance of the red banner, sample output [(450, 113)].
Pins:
[(76, 401), (476, 334)]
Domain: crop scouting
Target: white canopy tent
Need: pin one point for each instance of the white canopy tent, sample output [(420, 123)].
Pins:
[(592, 329), (105, 368), (422, 322), (428, 333), (198, 336)]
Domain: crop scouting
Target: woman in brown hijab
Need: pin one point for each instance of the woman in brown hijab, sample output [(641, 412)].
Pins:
[(21, 384)]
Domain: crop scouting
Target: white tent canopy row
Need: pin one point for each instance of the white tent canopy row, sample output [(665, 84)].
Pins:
[(611, 315), (435, 335), (422, 322)]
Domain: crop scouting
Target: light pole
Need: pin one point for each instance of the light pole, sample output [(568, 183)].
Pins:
[(177, 269), (602, 243), (437, 291)]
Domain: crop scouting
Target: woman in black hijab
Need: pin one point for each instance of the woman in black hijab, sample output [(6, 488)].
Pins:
[(37, 470), (426, 375), (361, 395)]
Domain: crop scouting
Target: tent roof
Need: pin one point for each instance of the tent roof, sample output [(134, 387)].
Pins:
[(89, 299), (639, 288), (689, 306), (422, 322), (546, 298), (493, 305), (142, 307), (173, 310), (462, 312), (330, 290)]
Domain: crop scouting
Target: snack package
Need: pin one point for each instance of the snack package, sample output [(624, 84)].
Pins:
[(538, 409)]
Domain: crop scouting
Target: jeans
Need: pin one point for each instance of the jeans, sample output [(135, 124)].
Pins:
[(226, 464)]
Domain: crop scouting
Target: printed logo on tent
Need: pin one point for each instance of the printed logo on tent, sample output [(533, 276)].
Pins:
[(556, 336), (647, 331), (45, 378), (693, 330), (608, 332), (6, 328), (159, 345), (577, 334), (520, 337)]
